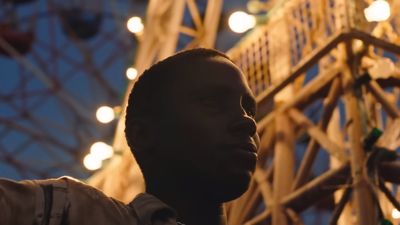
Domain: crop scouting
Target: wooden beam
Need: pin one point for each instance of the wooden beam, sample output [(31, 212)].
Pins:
[(299, 200), (264, 186), (188, 31), (313, 146), (283, 168), (365, 206), (318, 188), (340, 206), (236, 208), (294, 217), (267, 140), (389, 195), (245, 206), (302, 67), (210, 22), (379, 94), (305, 96), (194, 12), (316, 133), (391, 135), (361, 35)]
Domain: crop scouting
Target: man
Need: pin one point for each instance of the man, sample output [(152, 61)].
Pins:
[(190, 124)]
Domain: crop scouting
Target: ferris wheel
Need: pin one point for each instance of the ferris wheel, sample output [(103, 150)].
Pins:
[(60, 61)]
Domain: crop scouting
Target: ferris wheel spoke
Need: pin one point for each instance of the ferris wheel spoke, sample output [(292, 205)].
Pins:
[(93, 71), (62, 94), (34, 134)]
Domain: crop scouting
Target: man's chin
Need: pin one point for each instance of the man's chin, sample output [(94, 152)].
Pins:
[(230, 189)]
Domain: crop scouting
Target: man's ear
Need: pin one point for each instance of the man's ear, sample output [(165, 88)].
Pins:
[(141, 134)]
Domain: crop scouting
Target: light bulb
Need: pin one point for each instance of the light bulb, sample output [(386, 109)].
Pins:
[(135, 24), (395, 213), (105, 114), (91, 162), (101, 150), (131, 73), (240, 22), (379, 10)]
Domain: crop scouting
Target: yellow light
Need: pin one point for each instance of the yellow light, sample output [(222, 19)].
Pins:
[(255, 6), (91, 162), (101, 150), (395, 213), (131, 73), (105, 114), (379, 10), (240, 22), (135, 25)]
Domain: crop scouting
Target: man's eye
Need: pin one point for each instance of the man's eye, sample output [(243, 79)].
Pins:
[(211, 102)]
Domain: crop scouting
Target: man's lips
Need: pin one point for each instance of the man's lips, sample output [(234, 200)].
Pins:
[(246, 146), (243, 155)]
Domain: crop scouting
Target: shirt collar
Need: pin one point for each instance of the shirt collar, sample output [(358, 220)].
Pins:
[(149, 209)]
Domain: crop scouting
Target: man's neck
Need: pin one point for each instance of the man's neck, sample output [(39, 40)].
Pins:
[(193, 208)]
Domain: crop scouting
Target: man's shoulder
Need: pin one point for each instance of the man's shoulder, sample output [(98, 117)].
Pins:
[(66, 198), (63, 200)]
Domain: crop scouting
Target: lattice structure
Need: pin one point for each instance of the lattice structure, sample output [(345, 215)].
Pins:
[(323, 78)]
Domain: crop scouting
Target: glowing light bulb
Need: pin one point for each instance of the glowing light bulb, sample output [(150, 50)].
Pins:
[(240, 22), (131, 73), (379, 10), (395, 213), (135, 25), (91, 162), (105, 114), (101, 150)]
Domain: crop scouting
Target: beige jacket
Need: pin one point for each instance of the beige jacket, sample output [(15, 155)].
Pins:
[(66, 201)]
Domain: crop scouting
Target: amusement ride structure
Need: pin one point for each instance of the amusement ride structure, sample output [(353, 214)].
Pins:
[(327, 84), (60, 60)]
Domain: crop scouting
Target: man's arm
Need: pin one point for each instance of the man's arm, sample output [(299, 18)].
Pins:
[(17, 202), (55, 201)]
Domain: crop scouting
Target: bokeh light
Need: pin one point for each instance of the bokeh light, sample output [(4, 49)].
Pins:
[(105, 114), (378, 11), (131, 73), (135, 25), (101, 150), (91, 162), (240, 22)]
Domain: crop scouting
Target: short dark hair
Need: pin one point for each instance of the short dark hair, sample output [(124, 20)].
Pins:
[(144, 99)]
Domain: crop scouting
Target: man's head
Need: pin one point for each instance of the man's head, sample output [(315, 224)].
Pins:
[(190, 118)]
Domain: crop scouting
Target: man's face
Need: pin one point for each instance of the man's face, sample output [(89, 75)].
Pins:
[(207, 131)]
